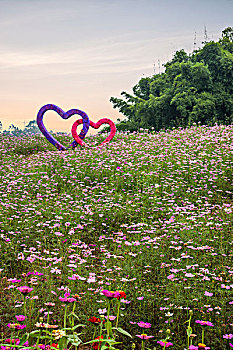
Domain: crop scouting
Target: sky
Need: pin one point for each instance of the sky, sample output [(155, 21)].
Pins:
[(79, 53)]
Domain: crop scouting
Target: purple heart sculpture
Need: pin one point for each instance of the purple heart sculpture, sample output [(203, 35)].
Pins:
[(64, 115)]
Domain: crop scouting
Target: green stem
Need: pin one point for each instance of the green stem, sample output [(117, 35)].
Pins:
[(118, 312), (64, 326), (202, 338), (24, 307), (94, 332), (38, 339), (143, 345), (101, 327), (72, 320), (108, 317)]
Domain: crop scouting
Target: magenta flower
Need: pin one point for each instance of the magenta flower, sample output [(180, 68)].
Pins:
[(205, 323), (193, 347), (66, 299), (144, 324), (25, 290), (144, 336), (13, 280), (164, 343), (110, 294), (16, 326), (208, 294), (20, 318), (231, 345)]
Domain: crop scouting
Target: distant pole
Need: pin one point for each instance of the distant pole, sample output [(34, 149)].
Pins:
[(159, 65), (195, 41)]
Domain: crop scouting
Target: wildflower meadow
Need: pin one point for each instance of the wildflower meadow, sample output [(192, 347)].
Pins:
[(124, 246)]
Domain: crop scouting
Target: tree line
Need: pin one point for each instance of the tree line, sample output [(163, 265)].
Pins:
[(195, 88), (30, 128)]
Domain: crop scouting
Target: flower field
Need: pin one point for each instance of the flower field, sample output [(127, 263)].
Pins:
[(120, 247)]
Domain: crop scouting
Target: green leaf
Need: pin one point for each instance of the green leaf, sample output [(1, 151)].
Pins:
[(189, 331), (122, 331), (74, 340), (24, 338), (78, 325)]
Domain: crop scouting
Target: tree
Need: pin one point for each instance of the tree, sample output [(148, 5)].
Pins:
[(31, 127), (194, 88)]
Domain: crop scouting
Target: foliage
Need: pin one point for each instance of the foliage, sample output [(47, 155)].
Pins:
[(195, 88)]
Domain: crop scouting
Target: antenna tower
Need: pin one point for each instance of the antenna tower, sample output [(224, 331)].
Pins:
[(205, 34), (154, 67)]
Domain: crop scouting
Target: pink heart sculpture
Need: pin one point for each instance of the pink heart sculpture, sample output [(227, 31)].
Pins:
[(95, 126)]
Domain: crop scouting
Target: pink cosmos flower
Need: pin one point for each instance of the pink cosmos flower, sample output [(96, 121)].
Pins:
[(110, 294), (20, 318), (66, 299), (170, 277), (164, 343), (25, 290), (111, 317), (228, 336), (231, 345), (204, 323), (144, 336), (208, 294), (144, 324)]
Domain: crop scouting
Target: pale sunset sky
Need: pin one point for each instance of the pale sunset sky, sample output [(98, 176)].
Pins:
[(79, 53)]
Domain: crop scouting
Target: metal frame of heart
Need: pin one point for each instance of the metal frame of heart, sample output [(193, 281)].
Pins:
[(64, 115), (95, 126)]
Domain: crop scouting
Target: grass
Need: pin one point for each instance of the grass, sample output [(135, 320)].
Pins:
[(149, 214)]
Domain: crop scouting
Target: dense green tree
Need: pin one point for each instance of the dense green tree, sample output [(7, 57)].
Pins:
[(194, 88)]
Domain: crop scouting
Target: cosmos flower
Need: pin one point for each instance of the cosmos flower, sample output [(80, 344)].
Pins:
[(111, 294), (204, 323), (16, 326), (97, 345), (144, 324), (228, 336), (66, 299), (95, 320), (20, 318), (144, 336), (164, 343), (25, 290)]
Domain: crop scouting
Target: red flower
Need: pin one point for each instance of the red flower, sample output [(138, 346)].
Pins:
[(122, 294), (97, 345), (95, 320)]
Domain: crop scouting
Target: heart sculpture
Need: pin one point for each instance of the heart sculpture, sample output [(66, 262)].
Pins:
[(95, 126), (64, 115)]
